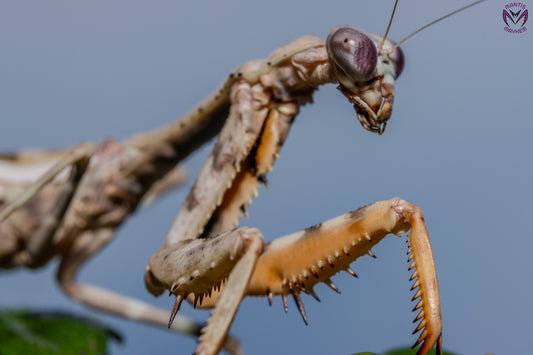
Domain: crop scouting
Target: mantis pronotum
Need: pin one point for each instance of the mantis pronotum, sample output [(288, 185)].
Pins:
[(277, 61)]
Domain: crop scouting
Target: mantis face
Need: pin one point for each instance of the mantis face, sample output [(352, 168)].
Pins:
[(366, 67)]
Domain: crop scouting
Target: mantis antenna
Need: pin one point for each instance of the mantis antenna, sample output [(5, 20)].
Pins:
[(388, 26), (432, 22)]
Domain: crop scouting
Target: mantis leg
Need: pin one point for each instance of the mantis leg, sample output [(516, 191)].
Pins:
[(297, 262), (194, 268), (218, 324)]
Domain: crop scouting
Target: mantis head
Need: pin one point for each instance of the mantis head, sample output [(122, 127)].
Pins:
[(366, 66)]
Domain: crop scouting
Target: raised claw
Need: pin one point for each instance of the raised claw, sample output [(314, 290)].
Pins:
[(308, 253), (425, 279)]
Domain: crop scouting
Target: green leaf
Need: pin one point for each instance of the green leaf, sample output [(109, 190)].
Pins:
[(53, 333)]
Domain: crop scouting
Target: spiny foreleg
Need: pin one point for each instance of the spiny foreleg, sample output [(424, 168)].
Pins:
[(297, 262), (194, 268)]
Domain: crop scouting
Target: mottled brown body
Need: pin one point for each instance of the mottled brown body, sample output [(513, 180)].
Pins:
[(204, 258)]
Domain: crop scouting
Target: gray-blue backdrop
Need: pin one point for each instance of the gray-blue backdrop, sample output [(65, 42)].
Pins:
[(458, 145)]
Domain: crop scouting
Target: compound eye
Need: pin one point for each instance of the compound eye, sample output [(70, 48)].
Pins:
[(398, 60), (351, 53)]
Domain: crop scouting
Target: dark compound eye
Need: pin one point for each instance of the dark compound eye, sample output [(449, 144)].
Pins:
[(351, 53), (398, 60)]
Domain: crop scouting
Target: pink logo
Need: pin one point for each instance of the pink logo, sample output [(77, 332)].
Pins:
[(515, 16)]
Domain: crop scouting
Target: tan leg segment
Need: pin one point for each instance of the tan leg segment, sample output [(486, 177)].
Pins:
[(425, 276), (218, 324), (297, 262)]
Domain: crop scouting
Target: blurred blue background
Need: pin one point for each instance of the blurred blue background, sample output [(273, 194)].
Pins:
[(458, 145)]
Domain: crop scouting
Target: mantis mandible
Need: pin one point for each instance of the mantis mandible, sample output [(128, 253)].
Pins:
[(203, 258)]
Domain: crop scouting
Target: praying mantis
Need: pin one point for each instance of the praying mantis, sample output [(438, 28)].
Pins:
[(277, 61)]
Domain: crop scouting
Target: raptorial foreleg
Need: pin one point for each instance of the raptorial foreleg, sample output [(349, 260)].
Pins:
[(195, 268), (297, 262)]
